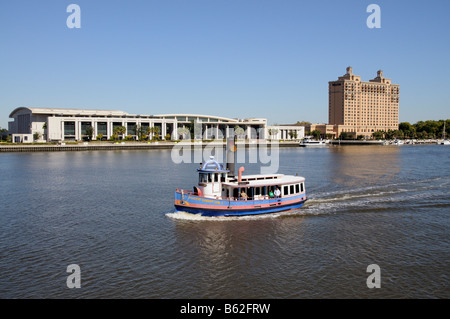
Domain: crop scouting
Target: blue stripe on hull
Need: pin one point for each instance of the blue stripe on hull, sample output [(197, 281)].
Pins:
[(215, 213)]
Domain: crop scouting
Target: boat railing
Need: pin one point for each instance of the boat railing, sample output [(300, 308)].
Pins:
[(264, 197)]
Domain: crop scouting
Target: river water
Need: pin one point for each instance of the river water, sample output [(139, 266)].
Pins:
[(111, 213)]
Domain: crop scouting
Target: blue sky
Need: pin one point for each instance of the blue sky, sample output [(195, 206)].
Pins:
[(232, 58)]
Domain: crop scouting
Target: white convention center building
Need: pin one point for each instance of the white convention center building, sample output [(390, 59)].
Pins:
[(64, 124)]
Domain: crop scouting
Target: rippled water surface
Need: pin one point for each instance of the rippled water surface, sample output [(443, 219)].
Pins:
[(111, 212)]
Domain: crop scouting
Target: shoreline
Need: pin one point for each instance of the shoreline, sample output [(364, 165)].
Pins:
[(108, 146)]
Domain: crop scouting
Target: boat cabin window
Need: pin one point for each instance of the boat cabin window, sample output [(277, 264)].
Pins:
[(301, 187), (211, 177), (202, 178), (286, 190), (292, 189)]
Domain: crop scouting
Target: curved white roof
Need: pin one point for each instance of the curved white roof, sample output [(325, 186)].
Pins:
[(199, 115), (52, 110), (117, 113)]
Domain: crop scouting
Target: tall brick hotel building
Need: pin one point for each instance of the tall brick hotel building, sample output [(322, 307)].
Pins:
[(361, 108)]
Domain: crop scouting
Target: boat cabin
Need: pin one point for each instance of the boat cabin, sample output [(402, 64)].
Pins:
[(260, 187), (215, 182), (210, 176)]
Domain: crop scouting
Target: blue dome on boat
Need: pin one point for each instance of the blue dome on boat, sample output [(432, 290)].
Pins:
[(212, 166)]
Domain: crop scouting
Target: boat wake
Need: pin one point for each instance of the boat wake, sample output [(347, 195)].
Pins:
[(180, 215), (389, 197)]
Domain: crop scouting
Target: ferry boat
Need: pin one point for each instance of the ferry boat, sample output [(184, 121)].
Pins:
[(220, 193), (307, 142)]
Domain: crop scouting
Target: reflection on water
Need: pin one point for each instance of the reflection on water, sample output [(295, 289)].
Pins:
[(112, 213), (359, 166)]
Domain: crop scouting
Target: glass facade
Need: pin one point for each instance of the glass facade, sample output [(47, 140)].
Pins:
[(102, 128), (131, 128), (84, 126), (69, 129)]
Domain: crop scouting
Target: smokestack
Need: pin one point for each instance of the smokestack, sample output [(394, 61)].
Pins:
[(231, 155), (241, 170)]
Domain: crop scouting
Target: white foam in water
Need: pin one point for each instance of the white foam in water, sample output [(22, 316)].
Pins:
[(188, 216), (372, 196)]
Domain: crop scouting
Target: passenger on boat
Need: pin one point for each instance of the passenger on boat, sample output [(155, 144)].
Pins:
[(244, 195), (271, 195), (277, 192)]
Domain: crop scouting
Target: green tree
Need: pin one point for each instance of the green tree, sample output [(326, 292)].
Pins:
[(344, 136), (316, 134), (405, 129), (139, 132), (428, 129), (119, 131), (149, 131), (378, 135), (3, 134), (405, 126), (157, 131), (154, 131), (36, 136), (292, 134), (390, 134), (89, 132)]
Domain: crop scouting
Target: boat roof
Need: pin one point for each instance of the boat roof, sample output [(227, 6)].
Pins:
[(212, 166), (265, 180)]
